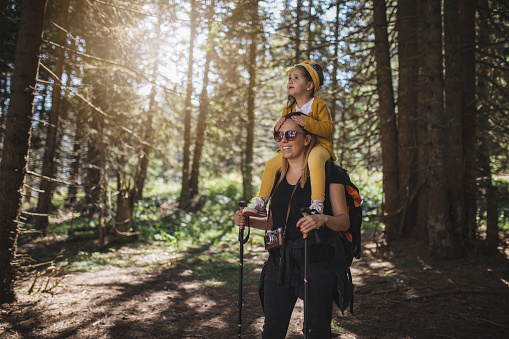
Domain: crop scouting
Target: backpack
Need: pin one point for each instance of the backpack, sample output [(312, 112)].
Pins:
[(351, 239)]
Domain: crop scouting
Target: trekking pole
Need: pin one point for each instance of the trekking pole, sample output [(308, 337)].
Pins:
[(242, 241), (305, 211)]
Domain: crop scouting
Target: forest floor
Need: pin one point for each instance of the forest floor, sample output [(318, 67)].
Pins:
[(145, 291)]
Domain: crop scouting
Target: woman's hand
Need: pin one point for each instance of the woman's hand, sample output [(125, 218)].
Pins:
[(311, 222), (240, 219)]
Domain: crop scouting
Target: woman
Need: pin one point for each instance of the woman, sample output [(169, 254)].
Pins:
[(281, 281)]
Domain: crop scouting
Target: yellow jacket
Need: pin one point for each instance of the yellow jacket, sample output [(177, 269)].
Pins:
[(318, 122)]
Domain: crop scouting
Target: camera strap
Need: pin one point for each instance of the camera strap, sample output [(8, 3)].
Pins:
[(289, 206)]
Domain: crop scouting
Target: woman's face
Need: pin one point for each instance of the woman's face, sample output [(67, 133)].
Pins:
[(297, 84), (295, 148)]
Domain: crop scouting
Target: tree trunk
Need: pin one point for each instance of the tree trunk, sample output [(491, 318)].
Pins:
[(297, 32), (485, 138), (17, 137), (407, 25), (201, 126), (419, 227), (468, 103), (387, 117), (95, 156), (185, 195), (148, 130), (144, 158), (72, 192), (3, 106), (124, 219), (335, 66), (340, 142), (441, 240), (310, 41), (251, 68), (49, 160), (75, 157), (454, 151)]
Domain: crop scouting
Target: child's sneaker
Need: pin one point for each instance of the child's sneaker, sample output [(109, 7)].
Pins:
[(317, 206), (257, 208)]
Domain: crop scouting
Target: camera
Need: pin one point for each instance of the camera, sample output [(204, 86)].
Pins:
[(274, 239)]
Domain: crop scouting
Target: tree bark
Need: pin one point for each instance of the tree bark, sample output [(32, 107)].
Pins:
[(124, 219), (72, 192), (341, 138), (49, 160), (454, 151), (387, 118), (418, 229), (441, 240), (148, 129), (95, 153), (3, 99), (185, 194), (297, 32), (407, 25), (485, 138), (141, 174), (469, 110), (201, 126), (251, 68), (310, 41), (17, 137), (148, 132), (335, 66)]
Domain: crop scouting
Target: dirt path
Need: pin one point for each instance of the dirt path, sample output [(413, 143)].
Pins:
[(399, 294)]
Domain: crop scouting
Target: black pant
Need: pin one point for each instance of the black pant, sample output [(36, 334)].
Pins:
[(280, 301)]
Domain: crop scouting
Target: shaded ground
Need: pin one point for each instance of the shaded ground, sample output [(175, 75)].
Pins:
[(149, 293)]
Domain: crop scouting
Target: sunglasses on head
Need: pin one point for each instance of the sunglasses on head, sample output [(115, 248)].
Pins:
[(290, 135)]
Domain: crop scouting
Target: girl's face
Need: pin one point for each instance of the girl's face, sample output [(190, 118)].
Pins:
[(297, 147), (298, 85)]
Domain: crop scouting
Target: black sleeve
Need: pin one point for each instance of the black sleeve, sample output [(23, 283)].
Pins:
[(338, 175)]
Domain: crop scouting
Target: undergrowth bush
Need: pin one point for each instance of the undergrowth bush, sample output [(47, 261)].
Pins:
[(369, 183), (218, 203)]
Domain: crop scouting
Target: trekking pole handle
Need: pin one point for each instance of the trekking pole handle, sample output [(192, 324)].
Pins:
[(242, 205), (305, 212)]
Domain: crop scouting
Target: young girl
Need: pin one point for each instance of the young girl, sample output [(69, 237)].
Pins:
[(304, 80)]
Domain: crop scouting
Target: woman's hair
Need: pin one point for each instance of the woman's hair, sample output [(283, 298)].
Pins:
[(312, 143), (319, 71)]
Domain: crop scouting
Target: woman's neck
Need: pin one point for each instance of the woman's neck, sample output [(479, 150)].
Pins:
[(294, 170)]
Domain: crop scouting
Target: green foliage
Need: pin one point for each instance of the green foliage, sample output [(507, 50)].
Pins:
[(369, 183), (502, 183), (212, 220)]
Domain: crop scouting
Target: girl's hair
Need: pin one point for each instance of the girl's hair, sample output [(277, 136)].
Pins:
[(305, 169), (319, 71)]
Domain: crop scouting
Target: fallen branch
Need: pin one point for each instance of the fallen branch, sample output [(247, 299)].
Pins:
[(455, 291), (492, 322)]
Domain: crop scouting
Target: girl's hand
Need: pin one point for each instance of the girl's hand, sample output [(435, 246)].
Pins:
[(278, 124), (240, 219), (299, 120), (311, 222)]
